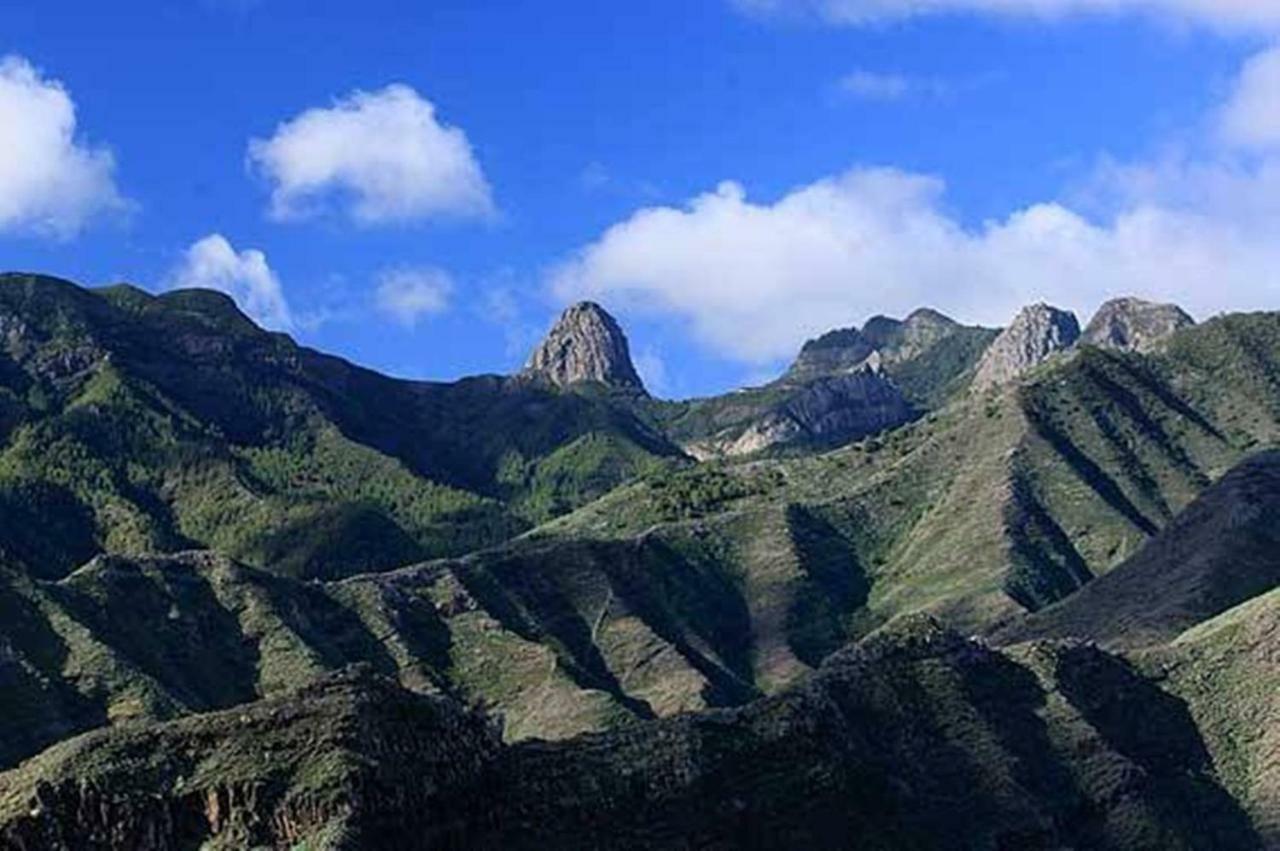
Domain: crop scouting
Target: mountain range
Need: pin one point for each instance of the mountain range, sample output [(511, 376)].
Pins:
[(935, 586)]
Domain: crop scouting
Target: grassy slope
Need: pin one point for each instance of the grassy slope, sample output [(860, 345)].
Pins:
[(993, 505), (144, 424)]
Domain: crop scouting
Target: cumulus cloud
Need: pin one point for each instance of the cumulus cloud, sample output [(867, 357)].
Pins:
[(756, 278), (212, 263), (380, 157), (51, 183), (1229, 14), (407, 295)]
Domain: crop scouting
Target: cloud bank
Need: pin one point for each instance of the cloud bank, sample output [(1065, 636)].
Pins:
[(754, 279), (51, 184), (212, 263), (378, 157)]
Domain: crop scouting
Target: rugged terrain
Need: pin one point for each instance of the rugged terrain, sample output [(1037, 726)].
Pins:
[(204, 526)]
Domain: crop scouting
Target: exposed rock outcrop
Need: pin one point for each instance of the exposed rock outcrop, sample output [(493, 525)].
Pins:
[(1037, 333), (836, 351), (899, 341), (894, 340), (1134, 325), (586, 345), (827, 410)]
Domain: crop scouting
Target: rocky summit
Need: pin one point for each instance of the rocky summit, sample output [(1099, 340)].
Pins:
[(586, 345), (1131, 324), (1037, 332)]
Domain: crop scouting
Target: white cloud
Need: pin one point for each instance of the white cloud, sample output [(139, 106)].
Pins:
[(754, 279), (407, 295), (50, 182), (1251, 117), (1228, 14), (380, 156), (212, 263)]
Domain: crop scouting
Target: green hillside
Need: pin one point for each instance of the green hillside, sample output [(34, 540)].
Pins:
[(138, 423)]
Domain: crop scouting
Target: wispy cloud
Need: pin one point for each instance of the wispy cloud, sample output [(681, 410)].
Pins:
[(877, 86), (1224, 14), (409, 294)]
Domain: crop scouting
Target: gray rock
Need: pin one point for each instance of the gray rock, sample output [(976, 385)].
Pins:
[(1134, 325), (585, 345), (826, 411), (832, 353), (1037, 333)]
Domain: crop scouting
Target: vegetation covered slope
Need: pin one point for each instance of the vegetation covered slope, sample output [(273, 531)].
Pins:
[(1222, 551), (1003, 501), (138, 423), (914, 738)]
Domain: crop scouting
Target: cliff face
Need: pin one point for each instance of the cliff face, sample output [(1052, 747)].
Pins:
[(827, 409), (586, 345), (1134, 325), (1037, 333)]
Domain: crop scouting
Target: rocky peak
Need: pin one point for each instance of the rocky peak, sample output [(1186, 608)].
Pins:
[(1134, 325), (832, 353), (585, 345), (1037, 332), (882, 331)]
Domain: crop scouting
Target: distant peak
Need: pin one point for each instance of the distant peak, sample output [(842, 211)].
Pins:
[(585, 345), (1131, 324), (1038, 332), (929, 315)]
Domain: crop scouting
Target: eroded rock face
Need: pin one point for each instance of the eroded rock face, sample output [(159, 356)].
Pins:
[(833, 352), (1037, 333), (586, 345), (1134, 325), (827, 410)]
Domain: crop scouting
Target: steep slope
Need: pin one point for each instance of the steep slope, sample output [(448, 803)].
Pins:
[(156, 423), (999, 503), (1228, 672), (915, 738), (1223, 550), (556, 639), (350, 763)]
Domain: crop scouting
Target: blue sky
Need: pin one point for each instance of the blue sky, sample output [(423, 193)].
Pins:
[(421, 186)]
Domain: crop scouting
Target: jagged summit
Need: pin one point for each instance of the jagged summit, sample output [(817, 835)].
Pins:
[(1134, 325), (837, 351), (846, 349), (585, 345), (1037, 332)]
